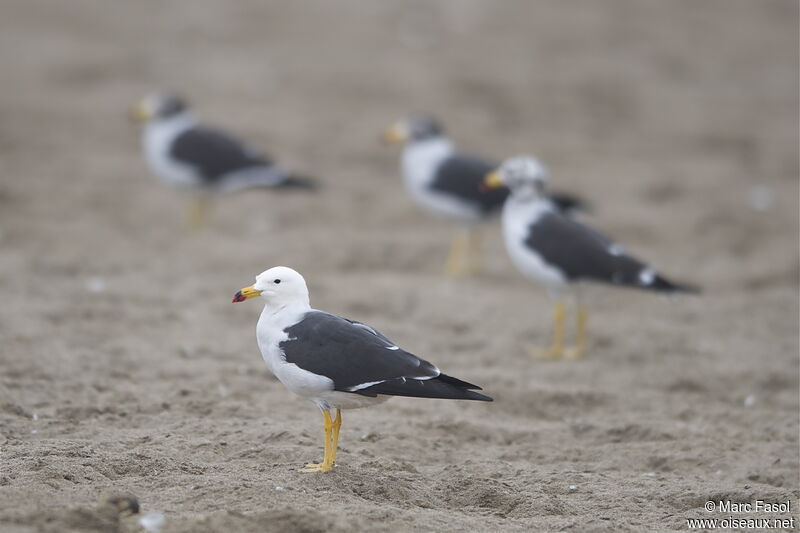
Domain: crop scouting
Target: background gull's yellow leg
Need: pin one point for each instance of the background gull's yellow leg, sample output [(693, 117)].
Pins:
[(325, 465), (454, 266), (556, 349), (199, 207), (475, 251), (337, 424), (580, 335)]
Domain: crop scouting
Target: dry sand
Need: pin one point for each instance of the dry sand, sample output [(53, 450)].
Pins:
[(124, 367)]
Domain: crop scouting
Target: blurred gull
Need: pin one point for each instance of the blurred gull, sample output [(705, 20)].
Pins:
[(558, 251), (190, 155), (335, 362)]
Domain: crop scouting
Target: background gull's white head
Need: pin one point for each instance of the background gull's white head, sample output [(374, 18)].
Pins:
[(521, 174), (157, 106), (414, 128), (279, 285)]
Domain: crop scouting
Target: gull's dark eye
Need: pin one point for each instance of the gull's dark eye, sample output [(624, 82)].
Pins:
[(276, 281)]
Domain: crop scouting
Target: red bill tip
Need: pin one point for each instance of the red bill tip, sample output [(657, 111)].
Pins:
[(238, 297)]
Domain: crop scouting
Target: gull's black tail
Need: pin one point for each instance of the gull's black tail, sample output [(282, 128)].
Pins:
[(443, 386), (298, 182), (664, 285)]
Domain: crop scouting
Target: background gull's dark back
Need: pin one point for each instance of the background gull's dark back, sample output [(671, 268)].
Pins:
[(123, 366)]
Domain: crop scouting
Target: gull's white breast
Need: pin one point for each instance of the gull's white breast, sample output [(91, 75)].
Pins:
[(157, 139), (270, 333), (420, 161), (518, 217), (319, 389)]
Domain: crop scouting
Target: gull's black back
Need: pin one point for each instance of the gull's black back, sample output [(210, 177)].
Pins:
[(583, 253), (462, 176), (214, 153)]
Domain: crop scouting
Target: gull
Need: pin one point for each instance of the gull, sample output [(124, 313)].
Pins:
[(335, 362), (202, 159), (559, 252)]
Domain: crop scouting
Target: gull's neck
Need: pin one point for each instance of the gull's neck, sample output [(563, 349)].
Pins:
[(525, 195), (291, 308), (432, 145), (421, 159), (178, 120), (276, 317)]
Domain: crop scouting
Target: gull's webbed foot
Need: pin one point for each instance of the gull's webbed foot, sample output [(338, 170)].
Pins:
[(331, 427), (317, 467)]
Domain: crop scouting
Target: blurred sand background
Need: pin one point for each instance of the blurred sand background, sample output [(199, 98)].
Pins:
[(124, 367)]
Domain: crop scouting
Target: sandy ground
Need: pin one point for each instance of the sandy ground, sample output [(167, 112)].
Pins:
[(125, 369)]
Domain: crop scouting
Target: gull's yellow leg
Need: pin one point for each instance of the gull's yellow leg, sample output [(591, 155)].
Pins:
[(556, 349), (454, 266), (475, 252), (580, 335), (337, 424), (327, 462), (198, 212)]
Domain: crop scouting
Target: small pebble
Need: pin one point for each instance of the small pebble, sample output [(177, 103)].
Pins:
[(95, 285), (186, 351), (573, 488), (153, 521), (279, 488), (760, 198), (750, 401)]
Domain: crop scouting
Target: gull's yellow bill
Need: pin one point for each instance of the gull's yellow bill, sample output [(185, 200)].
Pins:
[(245, 294), (141, 112), (492, 181), (396, 133)]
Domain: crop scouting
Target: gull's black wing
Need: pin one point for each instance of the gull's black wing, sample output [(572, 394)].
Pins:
[(214, 153), (359, 359), (462, 175), (581, 252)]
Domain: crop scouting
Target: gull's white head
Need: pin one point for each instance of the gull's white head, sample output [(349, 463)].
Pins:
[(279, 285), (521, 174), (415, 128), (159, 106)]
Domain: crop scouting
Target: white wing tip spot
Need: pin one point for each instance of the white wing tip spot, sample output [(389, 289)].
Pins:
[(392, 347), (363, 385), (647, 276)]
